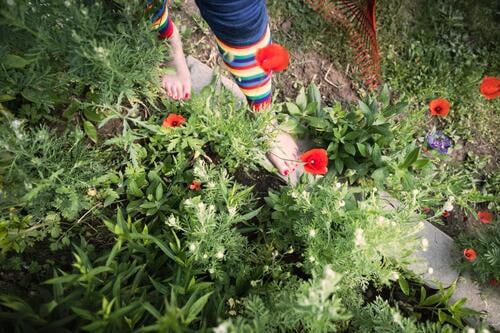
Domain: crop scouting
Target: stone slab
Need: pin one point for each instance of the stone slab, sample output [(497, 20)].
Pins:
[(479, 299), (434, 262), (202, 76)]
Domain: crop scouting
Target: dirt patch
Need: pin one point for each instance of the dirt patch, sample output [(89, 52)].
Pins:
[(309, 67)]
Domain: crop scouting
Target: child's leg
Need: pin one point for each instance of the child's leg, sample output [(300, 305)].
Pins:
[(252, 80), (256, 85), (177, 85)]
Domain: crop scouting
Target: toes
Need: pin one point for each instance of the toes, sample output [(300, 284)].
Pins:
[(177, 92), (186, 90), (280, 164)]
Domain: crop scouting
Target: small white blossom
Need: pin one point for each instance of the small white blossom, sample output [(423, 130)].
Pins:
[(341, 203), (222, 328), (290, 250), (67, 3), (451, 198), (425, 244), (211, 270), (192, 247), (430, 270), (312, 259), (471, 330), (415, 192), (312, 233), (172, 221), (205, 256), (338, 185), (359, 238), (396, 317), (253, 283), (375, 190), (220, 254), (231, 302), (275, 253), (448, 206), (394, 276)]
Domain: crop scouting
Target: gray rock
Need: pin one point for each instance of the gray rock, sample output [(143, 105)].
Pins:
[(202, 76), (435, 265), (479, 299)]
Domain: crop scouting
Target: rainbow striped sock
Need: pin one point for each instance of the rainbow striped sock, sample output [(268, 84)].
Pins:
[(252, 80)]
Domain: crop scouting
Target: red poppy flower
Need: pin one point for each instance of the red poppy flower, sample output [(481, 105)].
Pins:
[(195, 185), (439, 107), (273, 57), (173, 120), (470, 254), (490, 87), (315, 161), (446, 214), (485, 217)]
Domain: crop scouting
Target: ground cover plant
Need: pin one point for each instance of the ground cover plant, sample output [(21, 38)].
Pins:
[(124, 211)]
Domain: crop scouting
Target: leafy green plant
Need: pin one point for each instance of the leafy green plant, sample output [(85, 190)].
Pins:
[(46, 181), (485, 240), (355, 139), (439, 303)]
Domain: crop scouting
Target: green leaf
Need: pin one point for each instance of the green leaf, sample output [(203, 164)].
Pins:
[(159, 192), (384, 96), (377, 155), (349, 147), (423, 294), (394, 109), (82, 313), (403, 284), (410, 158), (432, 300), (90, 130), (91, 115), (419, 164), (362, 149), (293, 109), (339, 165), (364, 108), (196, 308), (314, 95), (352, 135), (133, 189), (14, 61), (301, 99)]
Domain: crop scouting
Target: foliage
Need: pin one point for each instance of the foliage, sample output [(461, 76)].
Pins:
[(76, 57), (355, 139), (485, 240), (45, 181)]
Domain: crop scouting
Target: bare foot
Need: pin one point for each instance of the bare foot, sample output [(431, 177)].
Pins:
[(178, 85), (284, 154)]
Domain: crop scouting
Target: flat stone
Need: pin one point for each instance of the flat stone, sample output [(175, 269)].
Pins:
[(388, 201), (202, 76), (486, 299), (435, 265)]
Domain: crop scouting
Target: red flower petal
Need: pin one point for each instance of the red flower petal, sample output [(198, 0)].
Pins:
[(315, 161), (485, 217), (446, 214), (439, 107), (195, 185), (490, 87), (470, 254), (173, 120), (273, 57)]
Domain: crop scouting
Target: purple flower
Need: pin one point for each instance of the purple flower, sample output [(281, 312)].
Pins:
[(439, 141)]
